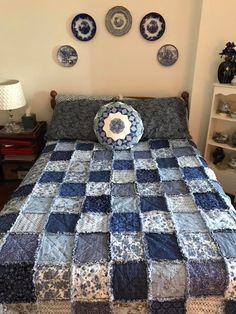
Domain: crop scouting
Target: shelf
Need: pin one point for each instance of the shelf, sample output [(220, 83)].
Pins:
[(225, 146), (228, 170), (219, 117)]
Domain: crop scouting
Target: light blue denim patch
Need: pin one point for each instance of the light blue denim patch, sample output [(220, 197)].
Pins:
[(38, 205), (125, 204)]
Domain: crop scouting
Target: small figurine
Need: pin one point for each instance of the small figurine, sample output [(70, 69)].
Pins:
[(218, 155), (223, 108), (220, 137), (232, 162)]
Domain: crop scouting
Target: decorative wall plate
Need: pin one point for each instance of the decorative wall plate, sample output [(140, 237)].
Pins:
[(167, 55), (67, 56), (83, 27), (152, 26), (118, 21)]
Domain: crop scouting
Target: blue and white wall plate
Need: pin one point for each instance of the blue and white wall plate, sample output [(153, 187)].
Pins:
[(152, 26), (118, 21), (67, 56), (83, 27), (167, 55)]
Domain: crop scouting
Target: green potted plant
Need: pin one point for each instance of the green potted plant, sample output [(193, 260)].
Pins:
[(227, 68)]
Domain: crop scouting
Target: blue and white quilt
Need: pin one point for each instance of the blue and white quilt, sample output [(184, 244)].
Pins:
[(145, 230)]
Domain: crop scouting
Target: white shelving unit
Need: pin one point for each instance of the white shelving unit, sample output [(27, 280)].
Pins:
[(225, 124)]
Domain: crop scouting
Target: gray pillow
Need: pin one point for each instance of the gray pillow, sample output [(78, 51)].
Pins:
[(163, 118)]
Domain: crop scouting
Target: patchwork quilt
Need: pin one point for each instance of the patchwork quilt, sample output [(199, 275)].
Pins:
[(145, 230)]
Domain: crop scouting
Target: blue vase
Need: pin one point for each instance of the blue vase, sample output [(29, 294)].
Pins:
[(226, 72)]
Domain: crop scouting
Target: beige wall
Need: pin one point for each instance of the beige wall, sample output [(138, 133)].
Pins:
[(32, 31)]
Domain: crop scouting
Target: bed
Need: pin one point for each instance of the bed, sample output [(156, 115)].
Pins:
[(94, 230)]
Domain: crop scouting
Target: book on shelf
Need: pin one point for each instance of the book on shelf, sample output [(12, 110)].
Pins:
[(20, 158), (16, 150)]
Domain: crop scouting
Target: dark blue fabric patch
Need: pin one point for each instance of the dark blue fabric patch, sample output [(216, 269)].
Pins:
[(123, 189), (162, 246), (167, 163), (194, 173), (84, 146), (61, 155), (23, 190), (144, 176), (123, 164), (72, 189), (102, 155), (52, 176), (49, 148), (80, 307), (168, 307), (203, 162), (16, 283), (99, 176), (100, 204), (156, 144), (125, 222), (230, 307), (6, 222), (142, 154), (209, 201), (175, 187), (149, 203), (183, 151), (129, 281), (62, 223)]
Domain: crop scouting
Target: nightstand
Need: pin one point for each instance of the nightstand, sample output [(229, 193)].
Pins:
[(19, 151)]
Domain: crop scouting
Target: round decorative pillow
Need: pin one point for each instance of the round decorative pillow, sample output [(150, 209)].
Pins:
[(118, 126)]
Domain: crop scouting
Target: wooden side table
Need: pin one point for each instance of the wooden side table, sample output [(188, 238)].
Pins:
[(18, 151)]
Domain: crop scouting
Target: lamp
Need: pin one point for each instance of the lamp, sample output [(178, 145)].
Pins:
[(11, 97)]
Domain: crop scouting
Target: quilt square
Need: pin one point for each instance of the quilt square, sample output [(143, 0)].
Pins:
[(99, 204), (226, 242), (15, 308), (61, 223), (162, 246), (213, 305), (157, 222), (230, 307), (194, 173), (209, 201), (181, 203), (98, 188), (17, 283), (46, 189), (52, 176), (122, 154), (125, 222), (39, 205), (76, 177), (52, 282), (124, 176), (61, 155), (82, 155), (167, 162), (175, 187), (97, 165), (179, 143), (190, 161), (126, 247), (101, 155), (67, 205), (206, 278), (200, 186), (173, 307), (100, 176), (141, 146), (230, 292), (28, 222), (129, 281), (190, 222), (91, 307), (168, 174), (6, 221), (79, 166), (149, 203), (72, 189), (123, 164), (130, 307), (92, 222), (19, 248), (89, 282), (144, 176), (150, 189), (91, 247), (60, 165), (58, 307), (125, 204), (183, 151), (167, 280), (143, 154), (156, 144), (14, 205), (23, 190), (49, 148), (198, 246), (217, 219), (162, 153), (56, 249), (120, 189), (84, 146), (146, 164), (65, 146)]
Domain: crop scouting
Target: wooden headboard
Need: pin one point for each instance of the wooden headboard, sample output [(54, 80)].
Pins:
[(184, 95)]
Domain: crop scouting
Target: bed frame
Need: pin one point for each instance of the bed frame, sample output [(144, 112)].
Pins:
[(184, 95)]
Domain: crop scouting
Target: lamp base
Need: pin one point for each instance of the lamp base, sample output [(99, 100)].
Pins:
[(11, 127)]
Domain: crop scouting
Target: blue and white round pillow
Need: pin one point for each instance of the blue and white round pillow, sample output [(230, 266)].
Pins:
[(118, 126)]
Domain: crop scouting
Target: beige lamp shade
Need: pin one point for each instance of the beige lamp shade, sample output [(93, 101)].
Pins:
[(11, 95)]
